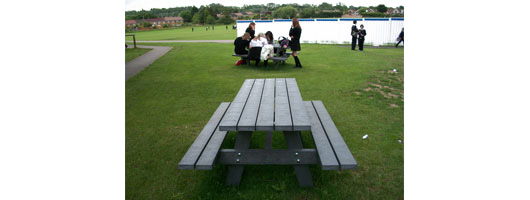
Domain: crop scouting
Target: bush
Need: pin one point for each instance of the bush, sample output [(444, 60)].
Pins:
[(210, 20), (329, 14), (146, 24), (225, 20)]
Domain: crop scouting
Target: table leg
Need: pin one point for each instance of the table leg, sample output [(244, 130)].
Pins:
[(268, 140), (294, 141), (235, 172)]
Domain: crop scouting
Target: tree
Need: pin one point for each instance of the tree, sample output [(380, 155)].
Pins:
[(186, 15), (226, 19), (308, 13), (325, 6), (286, 12), (210, 20), (382, 8), (196, 19), (401, 7), (194, 10)]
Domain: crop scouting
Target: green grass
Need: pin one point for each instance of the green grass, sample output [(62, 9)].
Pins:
[(185, 33), (132, 53), (168, 103)]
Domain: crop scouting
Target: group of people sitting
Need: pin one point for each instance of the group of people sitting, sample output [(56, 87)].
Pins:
[(249, 40), (265, 42)]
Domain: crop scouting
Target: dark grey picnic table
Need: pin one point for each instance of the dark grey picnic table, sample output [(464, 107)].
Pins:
[(270, 105)]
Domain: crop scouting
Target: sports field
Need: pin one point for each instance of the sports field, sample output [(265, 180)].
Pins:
[(185, 33)]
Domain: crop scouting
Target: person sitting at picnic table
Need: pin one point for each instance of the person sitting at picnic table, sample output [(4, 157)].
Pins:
[(266, 48), (269, 37), (258, 41), (250, 29), (241, 44)]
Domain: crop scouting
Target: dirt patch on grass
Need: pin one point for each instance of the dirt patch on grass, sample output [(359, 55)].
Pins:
[(386, 86)]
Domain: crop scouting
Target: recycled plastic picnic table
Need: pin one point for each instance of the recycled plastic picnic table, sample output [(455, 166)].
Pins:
[(270, 105)]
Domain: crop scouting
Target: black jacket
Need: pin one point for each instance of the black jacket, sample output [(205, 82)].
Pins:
[(251, 32), (354, 31), (241, 46), (362, 33), (295, 41), (402, 35)]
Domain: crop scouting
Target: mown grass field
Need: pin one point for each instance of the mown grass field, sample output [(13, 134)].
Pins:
[(184, 33), (132, 53), (168, 103)]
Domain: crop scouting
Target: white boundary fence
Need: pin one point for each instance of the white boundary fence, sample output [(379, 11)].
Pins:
[(379, 31)]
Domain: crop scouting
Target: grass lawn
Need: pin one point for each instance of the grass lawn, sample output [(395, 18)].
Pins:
[(132, 53), (168, 103), (184, 33)]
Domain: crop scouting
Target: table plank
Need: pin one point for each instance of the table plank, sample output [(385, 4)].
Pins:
[(342, 151), (247, 122), (325, 152), (282, 114), (265, 120), (233, 114), (298, 112), (193, 153)]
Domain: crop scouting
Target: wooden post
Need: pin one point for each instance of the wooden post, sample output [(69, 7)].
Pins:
[(134, 39)]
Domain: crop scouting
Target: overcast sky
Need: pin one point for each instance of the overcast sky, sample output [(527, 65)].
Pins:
[(148, 4)]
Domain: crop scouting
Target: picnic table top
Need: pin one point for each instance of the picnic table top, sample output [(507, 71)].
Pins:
[(267, 105)]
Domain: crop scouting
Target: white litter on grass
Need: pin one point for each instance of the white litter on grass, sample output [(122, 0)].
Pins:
[(365, 136), (400, 141), (395, 70)]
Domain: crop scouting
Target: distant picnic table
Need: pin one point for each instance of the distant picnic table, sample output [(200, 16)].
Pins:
[(280, 55), (270, 105)]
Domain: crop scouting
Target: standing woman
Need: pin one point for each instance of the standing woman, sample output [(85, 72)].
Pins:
[(251, 30), (362, 33), (295, 33)]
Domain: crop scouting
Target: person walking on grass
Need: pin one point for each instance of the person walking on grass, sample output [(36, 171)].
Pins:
[(362, 33), (295, 33), (354, 32), (401, 37), (251, 30)]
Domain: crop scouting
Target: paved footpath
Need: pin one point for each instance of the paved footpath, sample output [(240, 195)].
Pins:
[(139, 63), (185, 41)]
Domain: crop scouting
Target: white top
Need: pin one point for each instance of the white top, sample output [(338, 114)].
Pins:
[(258, 43)]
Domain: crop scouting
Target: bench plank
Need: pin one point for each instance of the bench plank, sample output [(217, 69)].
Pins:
[(265, 120), (209, 154), (247, 122), (342, 152), (281, 58), (282, 114), (193, 153), (328, 160), (231, 118), (298, 111)]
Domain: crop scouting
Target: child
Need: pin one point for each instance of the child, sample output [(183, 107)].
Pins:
[(362, 33)]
